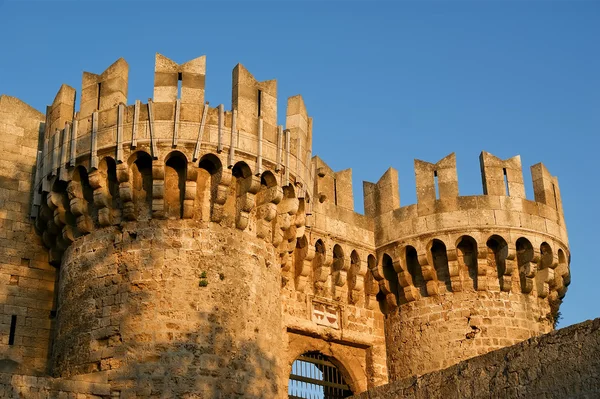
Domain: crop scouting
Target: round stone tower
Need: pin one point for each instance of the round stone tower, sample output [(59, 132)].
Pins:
[(462, 276), (170, 222), (193, 263)]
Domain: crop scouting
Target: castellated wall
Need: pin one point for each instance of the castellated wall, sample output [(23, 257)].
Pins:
[(188, 250), (171, 309), (561, 364)]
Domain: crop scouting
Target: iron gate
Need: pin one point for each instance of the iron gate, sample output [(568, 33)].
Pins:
[(315, 377)]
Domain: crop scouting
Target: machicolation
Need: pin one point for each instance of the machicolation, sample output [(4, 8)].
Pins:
[(172, 249)]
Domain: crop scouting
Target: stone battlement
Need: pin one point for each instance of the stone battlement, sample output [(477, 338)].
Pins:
[(184, 248)]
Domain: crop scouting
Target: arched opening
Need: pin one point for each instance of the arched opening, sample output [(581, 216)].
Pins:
[(414, 269), (268, 180), (524, 258), (110, 167), (496, 256), (338, 258), (141, 185), (319, 272), (242, 174), (207, 183), (439, 257), (545, 275), (175, 175), (390, 275), (371, 284), (315, 375), (467, 257), (299, 256), (562, 272), (546, 256), (82, 189), (353, 276)]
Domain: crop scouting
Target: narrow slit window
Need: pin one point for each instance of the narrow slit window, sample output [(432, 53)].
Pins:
[(554, 193), (99, 91), (435, 184), (258, 100), (335, 191), (506, 182), (179, 83), (13, 327)]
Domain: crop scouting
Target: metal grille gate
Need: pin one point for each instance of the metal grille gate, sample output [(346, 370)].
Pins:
[(315, 377)]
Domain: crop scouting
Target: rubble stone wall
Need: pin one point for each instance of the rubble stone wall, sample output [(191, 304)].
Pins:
[(561, 364), (171, 307)]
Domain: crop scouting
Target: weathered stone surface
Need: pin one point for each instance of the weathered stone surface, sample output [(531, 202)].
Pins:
[(201, 251), (560, 364)]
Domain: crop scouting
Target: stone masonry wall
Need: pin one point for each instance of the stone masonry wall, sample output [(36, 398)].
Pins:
[(171, 308), (31, 387), (26, 279), (437, 332), (561, 364)]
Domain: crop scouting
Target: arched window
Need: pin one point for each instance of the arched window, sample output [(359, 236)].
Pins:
[(315, 375), (497, 254), (439, 258), (390, 274), (467, 257), (175, 175), (141, 185), (207, 182)]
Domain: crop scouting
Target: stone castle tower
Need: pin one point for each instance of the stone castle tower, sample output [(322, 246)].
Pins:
[(172, 248)]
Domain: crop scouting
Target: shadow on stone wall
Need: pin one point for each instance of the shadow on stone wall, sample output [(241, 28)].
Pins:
[(203, 359)]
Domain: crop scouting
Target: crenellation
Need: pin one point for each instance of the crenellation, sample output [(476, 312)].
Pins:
[(502, 177), (62, 109), (173, 225), (384, 196)]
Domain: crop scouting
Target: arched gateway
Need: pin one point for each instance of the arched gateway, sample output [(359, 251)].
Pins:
[(315, 376)]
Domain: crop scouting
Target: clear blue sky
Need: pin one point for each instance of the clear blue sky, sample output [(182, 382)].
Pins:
[(386, 82)]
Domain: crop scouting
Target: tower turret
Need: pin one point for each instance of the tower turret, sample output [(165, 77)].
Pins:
[(460, 276), (170, 222), (194, 251)]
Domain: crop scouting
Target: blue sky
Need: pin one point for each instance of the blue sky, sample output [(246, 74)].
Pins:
[(386, 82)]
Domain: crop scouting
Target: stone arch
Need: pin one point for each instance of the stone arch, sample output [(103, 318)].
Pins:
[(439, 260), (391, 276), (210, 170), (353, 276), (174, 189), (140, 175), (106, 191), (237, 204), (339, 270), (81, 197), (80, 175), (319, 270), (371, 284), (312, 371), (268, 179), (338, 258), (526, 264), (497, 254), (350, 365), (109, 165), (467, 258), (58, 234), (299, 256), (562, 274), (546, 255), (414, 269), (545, 270)]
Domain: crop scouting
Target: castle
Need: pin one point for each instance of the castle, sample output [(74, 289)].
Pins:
[(174, 249)]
